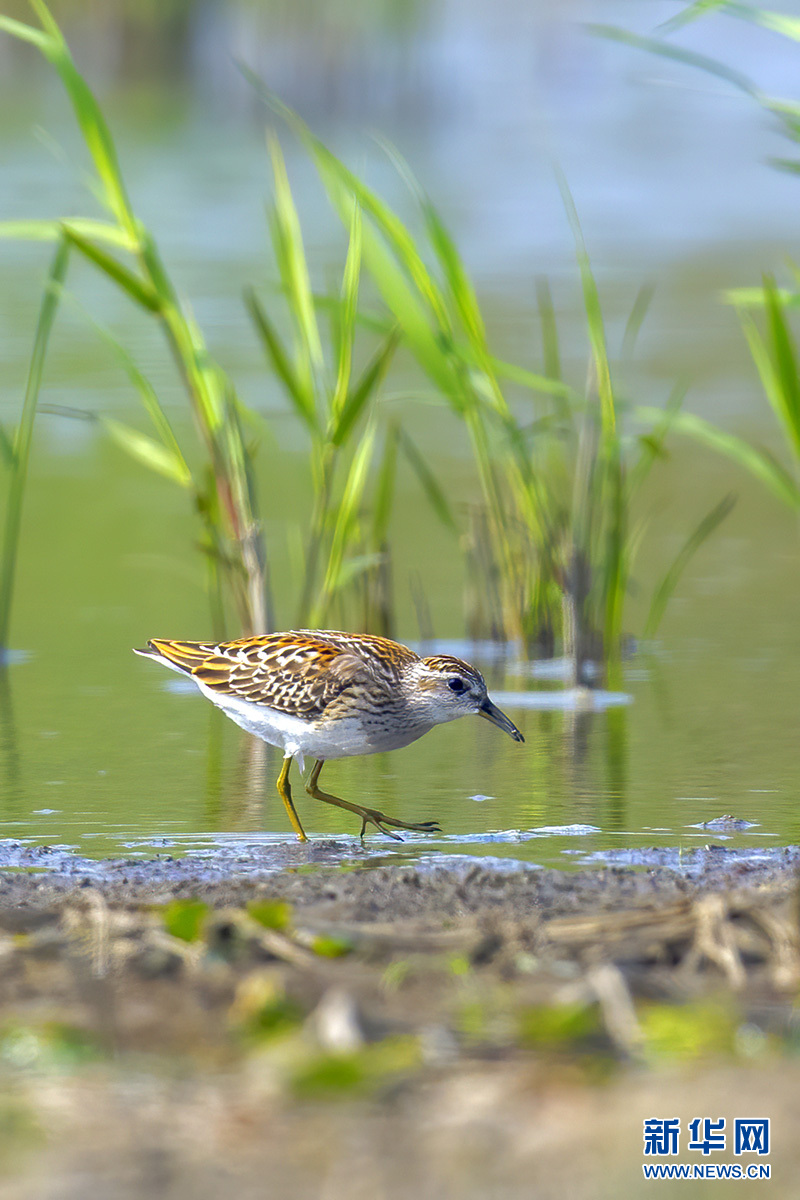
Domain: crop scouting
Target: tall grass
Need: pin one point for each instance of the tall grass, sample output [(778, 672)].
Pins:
[(17, 449), (346, 561), (551, 544), (430, 315), (552, 548), (353, 447), (222, 491), (772, 346), (342, 445)]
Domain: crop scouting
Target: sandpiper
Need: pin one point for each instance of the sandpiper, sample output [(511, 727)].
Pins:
[(331, 695)]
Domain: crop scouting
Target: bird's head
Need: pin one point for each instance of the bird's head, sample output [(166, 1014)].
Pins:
[(447, 688)]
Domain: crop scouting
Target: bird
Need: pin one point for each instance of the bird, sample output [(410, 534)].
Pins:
[(326, 695)]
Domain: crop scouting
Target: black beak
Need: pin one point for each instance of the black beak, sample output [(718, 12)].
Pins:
[(492, 713)]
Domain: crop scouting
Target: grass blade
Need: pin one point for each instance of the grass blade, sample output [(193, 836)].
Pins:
[(93, 125), (594, 313), (547, 384), (757, 461), (550, 347), (636, 318), (753, 297), (301, 398), (6, 448), (147, 450), (665, 589), (677, 54), (352, 568), (384, 487), (152, 406), (294, 259), (347, 312), (140, 292), (50, 41), (786, 26), (346, 514), (412, 318), (24, 435), (652, 443), (465, 301), (25, 33), (461, 289), (428, 482), (785, 392), (343, 185), (367, 384), (693, 12), (80, 227)]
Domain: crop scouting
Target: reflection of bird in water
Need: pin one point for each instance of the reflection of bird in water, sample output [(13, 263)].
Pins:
[(332, 695)]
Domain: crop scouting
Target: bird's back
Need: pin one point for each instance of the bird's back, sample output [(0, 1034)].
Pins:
[(299, 672)]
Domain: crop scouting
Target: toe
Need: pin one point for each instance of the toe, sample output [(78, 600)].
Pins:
[(389, 833)]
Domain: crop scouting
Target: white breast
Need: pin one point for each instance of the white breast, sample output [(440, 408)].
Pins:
[(297, 738)]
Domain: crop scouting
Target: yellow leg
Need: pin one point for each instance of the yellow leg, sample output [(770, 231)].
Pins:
[(368, 815), (286, 796)]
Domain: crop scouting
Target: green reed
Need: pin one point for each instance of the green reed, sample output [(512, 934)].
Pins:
[(17, 448), (429, 315), (353, 446), (552, 548), (329, 403), (552, 544), (772, 349), (222, 491), (332, 386)]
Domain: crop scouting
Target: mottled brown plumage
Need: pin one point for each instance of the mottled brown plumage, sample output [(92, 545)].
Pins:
[(300, 672), (330, 695)]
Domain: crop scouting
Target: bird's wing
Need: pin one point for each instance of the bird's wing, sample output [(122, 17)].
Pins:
[(296, 673)]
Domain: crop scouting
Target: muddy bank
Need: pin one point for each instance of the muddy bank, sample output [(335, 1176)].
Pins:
[(176, 955), (192, 1028), (352, 882)]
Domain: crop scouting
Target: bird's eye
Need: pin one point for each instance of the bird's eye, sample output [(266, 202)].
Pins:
[(456, 685)]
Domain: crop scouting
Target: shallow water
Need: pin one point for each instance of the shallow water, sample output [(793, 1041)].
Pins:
[(101, 752)]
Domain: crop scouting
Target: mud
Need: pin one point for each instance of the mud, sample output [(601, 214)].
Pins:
[(305, 1021), (349, 882)]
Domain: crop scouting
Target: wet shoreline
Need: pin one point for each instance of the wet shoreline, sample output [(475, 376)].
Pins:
[(342, 873), (191, 1027)]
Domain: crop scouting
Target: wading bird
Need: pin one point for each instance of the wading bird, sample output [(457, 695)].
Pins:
[(331, 695)]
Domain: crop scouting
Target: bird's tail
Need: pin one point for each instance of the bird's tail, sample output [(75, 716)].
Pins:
[(180, 656)]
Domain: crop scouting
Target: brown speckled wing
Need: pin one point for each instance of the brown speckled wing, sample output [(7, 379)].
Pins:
[(300, 672), (390, 658)]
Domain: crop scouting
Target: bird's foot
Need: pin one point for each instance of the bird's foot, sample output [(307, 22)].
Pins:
[(371, 816)]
